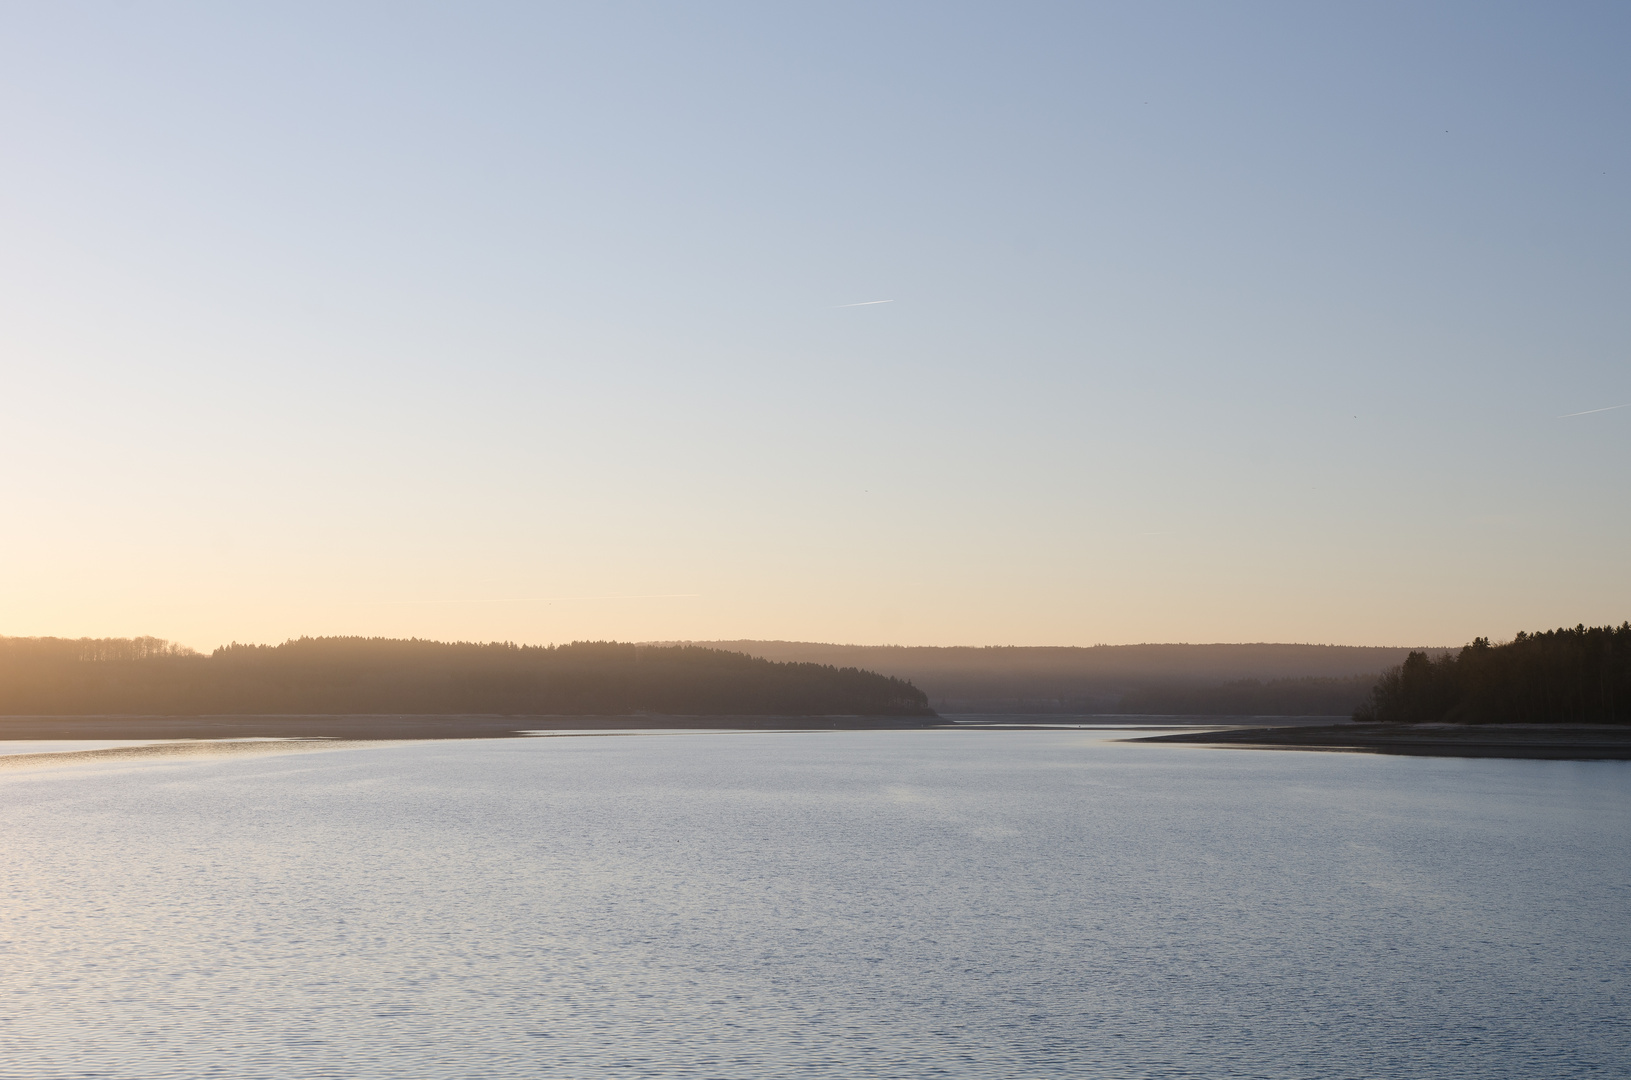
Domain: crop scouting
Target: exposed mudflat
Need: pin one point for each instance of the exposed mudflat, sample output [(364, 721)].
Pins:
[(1559, 742)]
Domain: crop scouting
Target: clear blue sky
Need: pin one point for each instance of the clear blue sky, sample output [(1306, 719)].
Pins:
[(1208, 323)]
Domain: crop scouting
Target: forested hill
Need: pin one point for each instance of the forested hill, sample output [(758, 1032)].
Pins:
[(353, 675), (1578, 676)]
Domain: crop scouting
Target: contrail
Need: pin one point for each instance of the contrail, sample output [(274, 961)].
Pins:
[(1588, 412), (865, 303), (541, 599)]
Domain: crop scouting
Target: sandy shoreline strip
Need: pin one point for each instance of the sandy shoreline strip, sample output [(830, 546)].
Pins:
[(403, 726), (179, 750)]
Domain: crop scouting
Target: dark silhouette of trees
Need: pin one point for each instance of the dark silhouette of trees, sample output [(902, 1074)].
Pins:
[(339, 675), (1564, 676)]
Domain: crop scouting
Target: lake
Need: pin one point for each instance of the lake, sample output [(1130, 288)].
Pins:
[(857, 904)]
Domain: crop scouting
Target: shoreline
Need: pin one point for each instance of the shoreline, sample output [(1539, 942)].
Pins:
[(407, 726), (1533, 742), (221, 736), (185, 749)]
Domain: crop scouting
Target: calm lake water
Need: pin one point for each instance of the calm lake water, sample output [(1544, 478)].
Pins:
[(856, 904)]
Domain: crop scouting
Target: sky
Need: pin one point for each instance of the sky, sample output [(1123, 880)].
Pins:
[(1250, 322)]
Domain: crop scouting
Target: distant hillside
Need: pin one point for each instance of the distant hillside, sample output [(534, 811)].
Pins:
[(56, 676), (1292, 679), (1312, 696)]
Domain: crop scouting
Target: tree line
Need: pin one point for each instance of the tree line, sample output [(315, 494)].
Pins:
[(1564, 676), (339, 675)]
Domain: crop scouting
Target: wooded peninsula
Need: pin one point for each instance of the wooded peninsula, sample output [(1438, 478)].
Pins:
[(358, 675), (1564, 676), (1560, 694)]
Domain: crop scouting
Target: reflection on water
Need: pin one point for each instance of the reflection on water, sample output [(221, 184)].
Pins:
[(976, 903), (14, 747)]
